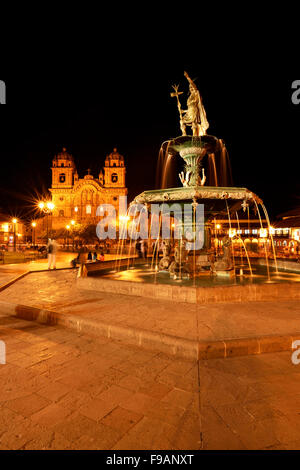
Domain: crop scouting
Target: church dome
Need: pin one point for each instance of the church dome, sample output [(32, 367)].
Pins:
[(114, 158), (64, 155)]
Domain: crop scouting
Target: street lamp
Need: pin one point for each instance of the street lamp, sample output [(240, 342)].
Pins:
[(15, 221), (68, 228), (218, 229), (46, 207), (73, 225), (33, 225)]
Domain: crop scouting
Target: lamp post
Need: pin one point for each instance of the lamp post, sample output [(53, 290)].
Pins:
[(46, 207), (218, 229), (68, 228), (33, 225), (14, 221), (73, 225)]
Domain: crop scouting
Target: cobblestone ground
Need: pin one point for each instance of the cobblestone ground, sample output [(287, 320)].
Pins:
[(58, 291), (60, 390)]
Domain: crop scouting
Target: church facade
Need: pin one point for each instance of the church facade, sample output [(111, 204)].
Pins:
[(77, 198)]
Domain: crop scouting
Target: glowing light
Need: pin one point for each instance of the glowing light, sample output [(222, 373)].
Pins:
[(68, 227), (72, 222), (76, 209), (41, 205), (218, 227), (50, 205), (14, 221), (5, 228), (297, 237), (232, 233), (124, 218), (263, 233)]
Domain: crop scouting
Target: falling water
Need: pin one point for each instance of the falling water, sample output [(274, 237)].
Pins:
[(239, 229), (225, 166), (229, 220), (271, 235), (265, 246), (247, 255), (194, 251), (212, 170), (218, 172), (165, 172), (130, 242), (155, 253), (163, 164)]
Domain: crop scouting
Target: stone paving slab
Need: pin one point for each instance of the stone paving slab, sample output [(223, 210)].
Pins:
[(61, 390), (172, 345), (58, 292)]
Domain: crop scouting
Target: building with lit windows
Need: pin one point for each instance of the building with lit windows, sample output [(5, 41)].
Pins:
[(10, 227), (287, 232), (76, 198)]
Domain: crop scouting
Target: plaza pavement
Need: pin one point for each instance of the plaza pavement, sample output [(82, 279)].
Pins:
[(64, 390), (228, 328), (61, 390), (9, 273)]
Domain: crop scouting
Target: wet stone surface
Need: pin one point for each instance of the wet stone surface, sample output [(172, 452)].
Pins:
[(59, 390)]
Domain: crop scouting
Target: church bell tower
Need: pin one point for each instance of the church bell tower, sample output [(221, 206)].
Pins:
[(114, 170), (63, 170)]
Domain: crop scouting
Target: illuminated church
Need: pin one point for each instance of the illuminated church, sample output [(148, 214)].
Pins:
[(77, 198)]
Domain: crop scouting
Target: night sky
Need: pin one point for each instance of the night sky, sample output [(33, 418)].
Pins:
[(124, 101)]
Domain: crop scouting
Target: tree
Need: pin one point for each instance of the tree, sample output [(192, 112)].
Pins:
[(87, 233)]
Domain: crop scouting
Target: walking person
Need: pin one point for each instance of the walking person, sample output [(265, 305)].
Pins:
[(52, 250), (144, 249)]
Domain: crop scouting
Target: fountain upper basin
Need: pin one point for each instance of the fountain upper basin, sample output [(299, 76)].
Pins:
[(211, 196)]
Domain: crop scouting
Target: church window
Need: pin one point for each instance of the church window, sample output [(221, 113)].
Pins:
[(114, 177), (62, 178), (88, 209)]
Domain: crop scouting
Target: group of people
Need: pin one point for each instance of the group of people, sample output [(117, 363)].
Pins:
[(80, 258), (94, 256), (83, 256)]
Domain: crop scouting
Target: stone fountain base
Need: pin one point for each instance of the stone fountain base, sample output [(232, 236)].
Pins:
[(190, 294)]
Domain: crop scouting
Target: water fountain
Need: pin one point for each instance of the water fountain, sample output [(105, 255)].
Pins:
[(216, 200), (202, 274)]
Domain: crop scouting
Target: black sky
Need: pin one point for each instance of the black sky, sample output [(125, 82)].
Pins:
[(93, 104)]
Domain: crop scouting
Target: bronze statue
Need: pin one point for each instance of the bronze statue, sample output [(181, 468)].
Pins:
[(224, 262), (195, 115)]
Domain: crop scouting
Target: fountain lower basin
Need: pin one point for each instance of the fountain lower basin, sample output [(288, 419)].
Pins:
[(142, 281)]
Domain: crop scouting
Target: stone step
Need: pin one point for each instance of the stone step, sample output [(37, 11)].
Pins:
[(168, 344)]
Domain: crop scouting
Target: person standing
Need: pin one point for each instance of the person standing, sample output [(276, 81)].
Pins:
[(52, 250)]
